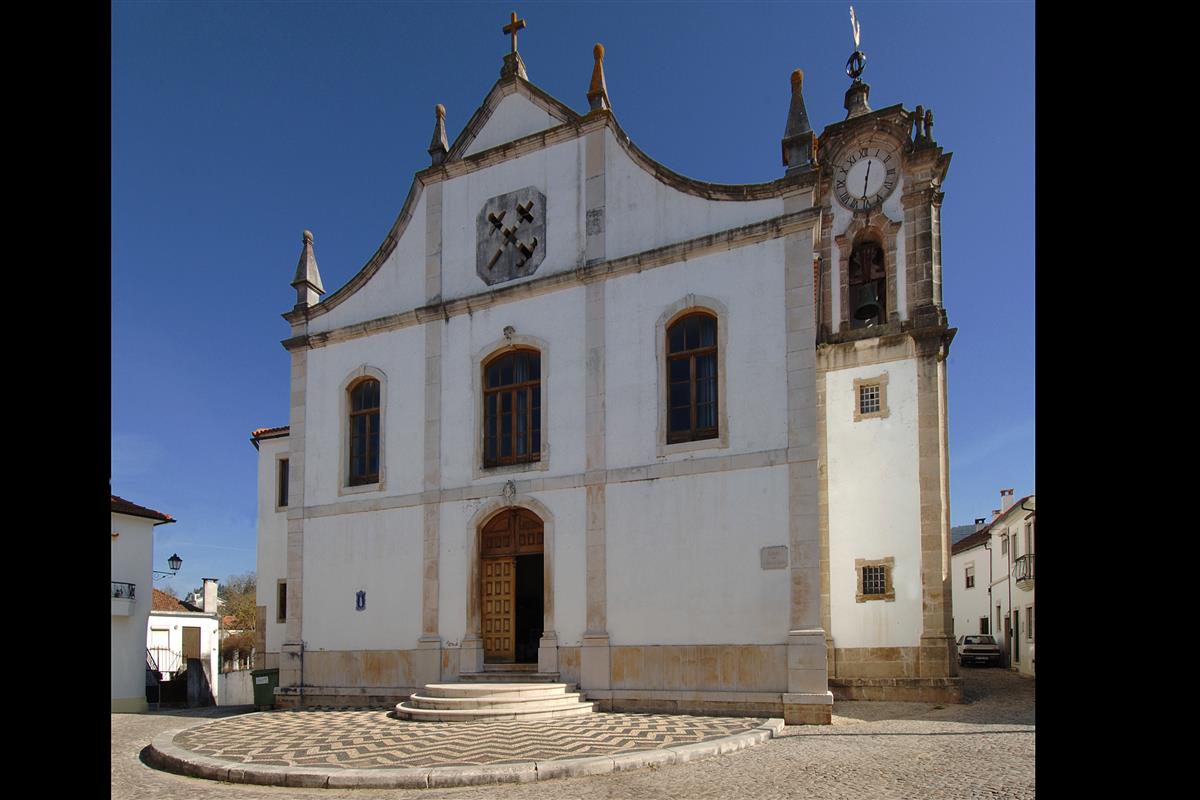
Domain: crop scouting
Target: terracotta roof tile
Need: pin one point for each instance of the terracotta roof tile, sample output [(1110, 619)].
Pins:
[(161, 601), (983, 534), (266, 433), (122, 506)]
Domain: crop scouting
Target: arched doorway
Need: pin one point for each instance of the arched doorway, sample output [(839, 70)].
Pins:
[(511, 571)]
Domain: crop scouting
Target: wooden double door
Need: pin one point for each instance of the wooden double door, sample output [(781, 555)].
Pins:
[(512, 591)]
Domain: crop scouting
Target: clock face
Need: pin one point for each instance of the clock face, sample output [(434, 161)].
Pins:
[(865, 174)]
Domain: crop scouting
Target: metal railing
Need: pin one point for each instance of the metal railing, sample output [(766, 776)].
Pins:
[(168, 660), (1023, 568), (122, 590)]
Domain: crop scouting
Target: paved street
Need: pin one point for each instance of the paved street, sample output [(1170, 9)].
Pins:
[(982, 748)]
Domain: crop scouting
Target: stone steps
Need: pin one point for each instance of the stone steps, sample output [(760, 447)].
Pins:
[(447, 702)]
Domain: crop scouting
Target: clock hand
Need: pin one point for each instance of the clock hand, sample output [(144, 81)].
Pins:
[(867, 177)]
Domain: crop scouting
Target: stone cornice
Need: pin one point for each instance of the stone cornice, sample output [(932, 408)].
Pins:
[(754, 233)]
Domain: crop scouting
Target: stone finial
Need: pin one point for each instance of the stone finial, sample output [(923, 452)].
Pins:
[(438, 147), (929, 125), (308, 277), (513, 65), (799, 142), (856, 99), (919, 122), (598, 92)]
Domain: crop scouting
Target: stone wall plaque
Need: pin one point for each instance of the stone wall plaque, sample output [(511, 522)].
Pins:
[(774, 557), (510, 235)]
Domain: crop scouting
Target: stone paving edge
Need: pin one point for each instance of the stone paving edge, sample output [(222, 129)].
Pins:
[(165, 755)]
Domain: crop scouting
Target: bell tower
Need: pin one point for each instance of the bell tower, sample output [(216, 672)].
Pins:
[(882, 340)]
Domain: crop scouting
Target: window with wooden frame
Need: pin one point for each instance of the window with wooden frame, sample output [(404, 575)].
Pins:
[(282, 493), (512, 408), (971, 576), (692, 378), (281, 602), (364, 433)]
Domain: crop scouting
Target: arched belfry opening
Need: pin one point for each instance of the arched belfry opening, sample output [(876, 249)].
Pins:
[(512, 584), (867, 281)]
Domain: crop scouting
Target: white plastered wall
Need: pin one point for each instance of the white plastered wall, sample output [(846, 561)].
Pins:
[(377, 552), (874, 510), (132, 558), (556, 318), (554, 171), (210, 645), (684, 556), (642, 212), (397, 286), (272, 538), (749, 282), (970, 604), (514, 117), (400, 356)]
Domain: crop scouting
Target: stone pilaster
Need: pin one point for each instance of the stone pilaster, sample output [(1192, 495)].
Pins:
[(937, 657), (808, 699), (593, 175), (291, 655), (428, 658), (595, 661)]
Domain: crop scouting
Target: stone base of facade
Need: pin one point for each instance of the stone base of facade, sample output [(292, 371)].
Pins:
[(709, 704), (799, 714), (129, 705), (291, 697), (912, 690)]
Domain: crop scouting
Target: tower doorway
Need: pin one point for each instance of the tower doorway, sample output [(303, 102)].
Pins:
[(512, 570)]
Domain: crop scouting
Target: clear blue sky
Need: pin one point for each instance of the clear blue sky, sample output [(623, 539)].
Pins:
[(235, 126)]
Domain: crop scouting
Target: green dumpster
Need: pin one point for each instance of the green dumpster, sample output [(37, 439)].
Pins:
[(265, 681)]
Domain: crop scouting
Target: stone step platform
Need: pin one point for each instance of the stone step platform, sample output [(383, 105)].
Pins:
[(448, 702), (509, 676)]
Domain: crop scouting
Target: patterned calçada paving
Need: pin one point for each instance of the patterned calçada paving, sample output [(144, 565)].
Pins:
[(373, 738)]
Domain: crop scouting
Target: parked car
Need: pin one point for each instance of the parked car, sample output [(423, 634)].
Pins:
[(980, 647)]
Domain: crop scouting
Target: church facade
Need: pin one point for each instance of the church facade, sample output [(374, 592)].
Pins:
[(680, 443)]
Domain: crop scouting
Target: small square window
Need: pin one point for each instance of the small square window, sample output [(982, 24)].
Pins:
[(870, 398), (874, 579)]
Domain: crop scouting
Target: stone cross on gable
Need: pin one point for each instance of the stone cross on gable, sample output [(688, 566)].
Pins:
[(512, 27)]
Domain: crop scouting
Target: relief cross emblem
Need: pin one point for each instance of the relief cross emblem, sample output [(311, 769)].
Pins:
[(511, 235)]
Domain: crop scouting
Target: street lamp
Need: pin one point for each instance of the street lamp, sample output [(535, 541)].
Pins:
[(174, 562)]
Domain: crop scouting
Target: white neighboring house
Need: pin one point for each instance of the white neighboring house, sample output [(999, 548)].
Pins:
[(178, 630), (993, 575), (132, 560)]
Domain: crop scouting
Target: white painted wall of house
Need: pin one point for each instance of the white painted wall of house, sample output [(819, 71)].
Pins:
[(272, 538), (132, 558)]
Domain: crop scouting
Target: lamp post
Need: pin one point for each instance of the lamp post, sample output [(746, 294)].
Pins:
[(174, 562)]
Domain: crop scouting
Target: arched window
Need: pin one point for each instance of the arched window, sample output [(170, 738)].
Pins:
[(364, 432), (867, 280), (512, 408), (692, 378)]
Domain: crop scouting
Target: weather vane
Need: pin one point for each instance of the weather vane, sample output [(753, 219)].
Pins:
[(858, 59)]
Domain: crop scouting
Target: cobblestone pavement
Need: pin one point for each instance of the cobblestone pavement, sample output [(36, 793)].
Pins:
[(983, 748), (368, 738)]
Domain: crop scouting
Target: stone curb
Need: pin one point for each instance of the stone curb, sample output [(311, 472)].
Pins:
[(164, 754)]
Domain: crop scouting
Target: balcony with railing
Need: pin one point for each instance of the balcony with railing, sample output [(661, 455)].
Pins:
[(1023, 571), (123, 598)]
